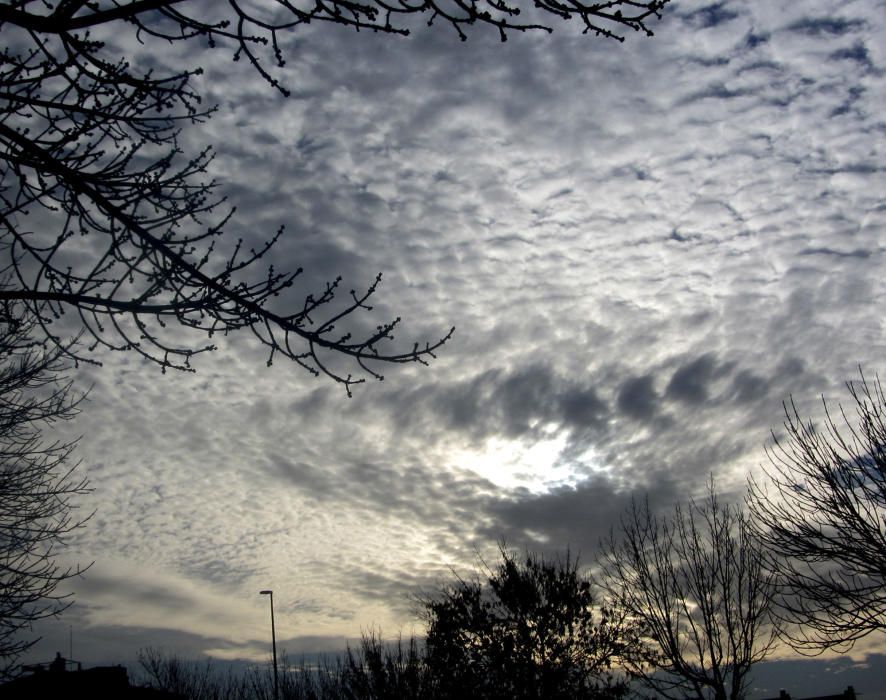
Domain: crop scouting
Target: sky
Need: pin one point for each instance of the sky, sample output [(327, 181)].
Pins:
[(644, 247)]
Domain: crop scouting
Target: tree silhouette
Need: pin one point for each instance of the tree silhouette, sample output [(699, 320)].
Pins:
[(824, 524), (375, 670), (395, 671), (697, 582), (531, 630), (103, 213), (37, 486)]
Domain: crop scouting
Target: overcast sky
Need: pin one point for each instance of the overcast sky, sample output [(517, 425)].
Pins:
[(644, 247)]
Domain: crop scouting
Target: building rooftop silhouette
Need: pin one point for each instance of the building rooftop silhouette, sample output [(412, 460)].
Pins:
[(63, 679), (848, 694)]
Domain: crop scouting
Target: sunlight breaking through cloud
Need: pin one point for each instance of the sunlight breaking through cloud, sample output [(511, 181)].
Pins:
[(537, 467)]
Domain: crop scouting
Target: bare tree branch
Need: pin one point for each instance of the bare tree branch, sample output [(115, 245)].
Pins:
[(38, 485), (697, 581), (128, 234), (823, 523)]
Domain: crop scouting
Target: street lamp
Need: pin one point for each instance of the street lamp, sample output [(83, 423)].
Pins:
[(273, 643)]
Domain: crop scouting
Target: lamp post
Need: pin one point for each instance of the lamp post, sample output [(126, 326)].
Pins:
[(273, 643)]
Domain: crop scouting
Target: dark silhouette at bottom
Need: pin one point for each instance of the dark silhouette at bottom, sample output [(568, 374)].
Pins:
[(67, 680)]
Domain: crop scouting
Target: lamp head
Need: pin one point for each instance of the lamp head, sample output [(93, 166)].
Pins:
[(266, 592)]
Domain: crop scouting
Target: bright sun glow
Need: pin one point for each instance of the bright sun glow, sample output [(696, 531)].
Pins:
[(513, 464)]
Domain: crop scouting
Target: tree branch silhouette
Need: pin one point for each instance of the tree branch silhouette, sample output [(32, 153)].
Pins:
[(38, 485), (821, 515), (529, 627), (697, 582), (127, 231)]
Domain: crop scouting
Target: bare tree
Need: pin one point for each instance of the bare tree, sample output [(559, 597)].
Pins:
[(823, 524), (90, 147), (38, 486), (696, 580)]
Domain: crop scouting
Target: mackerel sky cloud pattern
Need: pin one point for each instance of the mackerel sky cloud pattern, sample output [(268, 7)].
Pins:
[(644, 247)]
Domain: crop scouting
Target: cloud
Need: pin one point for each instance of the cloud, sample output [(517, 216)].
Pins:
[(711, 15), (690, 382), (823, 26), (637, 397), (645, 248), (569, 517), (116, 593)]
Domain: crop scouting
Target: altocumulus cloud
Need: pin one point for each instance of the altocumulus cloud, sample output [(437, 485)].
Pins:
[(645, 248)]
